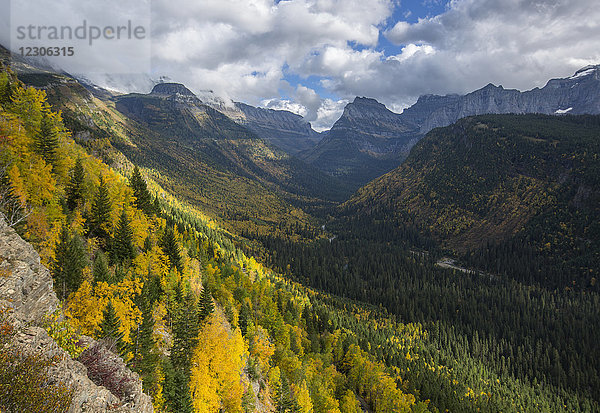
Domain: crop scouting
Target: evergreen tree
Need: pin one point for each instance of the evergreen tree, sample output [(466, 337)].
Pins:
[(6, 90), (122, 245), (100, 214), (143, 199), (101, 272), (46, 140), (109, 330), (205, 305), (75, 187), (146, 357), (171, 248), (156, 206), (285, 402), (185, 337), (243, 319), (69, 262)]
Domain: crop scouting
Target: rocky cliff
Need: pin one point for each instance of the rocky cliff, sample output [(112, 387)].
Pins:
[(577, 94), (26, 288)]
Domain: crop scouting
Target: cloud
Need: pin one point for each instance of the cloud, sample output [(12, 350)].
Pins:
[(250, 50)]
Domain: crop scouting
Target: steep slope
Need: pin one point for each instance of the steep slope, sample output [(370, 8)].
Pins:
[(194, 151), (367, 141), (527, 179), (284, 129), (352, 153), (217, 157)]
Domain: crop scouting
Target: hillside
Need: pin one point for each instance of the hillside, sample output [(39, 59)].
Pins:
[(165, 290), (195, 152), (286, 130), (502, 180)]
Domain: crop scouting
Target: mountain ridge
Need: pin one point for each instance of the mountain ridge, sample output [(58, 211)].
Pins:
[(577, 94)]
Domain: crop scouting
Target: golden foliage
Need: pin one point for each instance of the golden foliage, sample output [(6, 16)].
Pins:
[(216, 382)]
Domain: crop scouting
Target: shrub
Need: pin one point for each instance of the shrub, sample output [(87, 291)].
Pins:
[(105, 369), (25, 383)]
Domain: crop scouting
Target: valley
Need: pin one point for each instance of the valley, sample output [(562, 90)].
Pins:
[(265, 267)]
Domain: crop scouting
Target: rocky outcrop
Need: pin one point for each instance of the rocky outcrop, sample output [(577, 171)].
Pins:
[(26, 287), (175, 92)]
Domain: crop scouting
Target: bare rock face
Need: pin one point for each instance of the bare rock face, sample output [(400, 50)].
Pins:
[(25, 284), (26, 287)]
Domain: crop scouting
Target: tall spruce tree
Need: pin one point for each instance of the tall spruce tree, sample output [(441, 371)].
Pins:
[(171, 248), (205, 305), (285, 402), (143, 199), (69, 262), (146, 356), (123, 248), (75, 187), (100, 214), (6, 89), (185, 337), (46, 140), (100, 271), (110, 330)]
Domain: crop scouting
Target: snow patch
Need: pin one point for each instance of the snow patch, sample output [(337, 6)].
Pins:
[(562, 111), (582, 73)]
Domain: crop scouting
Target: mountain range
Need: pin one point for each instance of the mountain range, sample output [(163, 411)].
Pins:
[(369, 140)]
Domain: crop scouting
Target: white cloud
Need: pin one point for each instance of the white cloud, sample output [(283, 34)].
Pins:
[(243, 49)]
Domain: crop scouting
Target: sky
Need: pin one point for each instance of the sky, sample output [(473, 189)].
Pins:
[(314, 56)]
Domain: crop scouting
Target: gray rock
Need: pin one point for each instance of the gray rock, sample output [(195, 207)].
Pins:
[(26, 287)]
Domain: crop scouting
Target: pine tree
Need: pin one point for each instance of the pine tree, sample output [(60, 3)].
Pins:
[(6, 90), (122, 245), (205, 305), (243, 319), (146, 357), (156, 206), (75, 187), (171, 248), (69, 262), (284, 399), (46, 140), (143, 199), (109, 330), (100, 214), (101, 272), (185, 337)]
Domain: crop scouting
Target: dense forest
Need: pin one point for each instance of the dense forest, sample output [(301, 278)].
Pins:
[(354, 317)]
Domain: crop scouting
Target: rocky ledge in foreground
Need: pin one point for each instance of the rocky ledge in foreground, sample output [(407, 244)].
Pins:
[(26, 288)]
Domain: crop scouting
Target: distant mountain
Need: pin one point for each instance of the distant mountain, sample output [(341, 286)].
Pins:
[(284, 129), (369, 139), (578, 94), (507, 190)]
